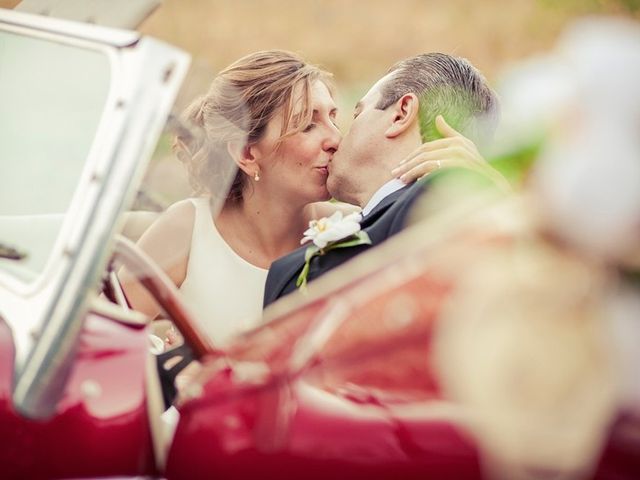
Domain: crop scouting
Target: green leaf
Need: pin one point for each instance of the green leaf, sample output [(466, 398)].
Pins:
[(364, 236), (361, 239)]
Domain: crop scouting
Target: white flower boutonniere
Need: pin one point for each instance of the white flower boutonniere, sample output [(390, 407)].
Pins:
[(330, 233)]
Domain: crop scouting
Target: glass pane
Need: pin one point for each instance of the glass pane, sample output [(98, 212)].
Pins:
[(52, 98)]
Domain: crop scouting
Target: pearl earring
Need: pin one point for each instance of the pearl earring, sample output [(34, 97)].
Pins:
[(256, 176)]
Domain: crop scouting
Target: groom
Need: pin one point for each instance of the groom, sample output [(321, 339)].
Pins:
[(390, 122)]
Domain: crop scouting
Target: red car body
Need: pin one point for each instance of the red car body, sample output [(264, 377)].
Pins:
[(100, 426), (363, 404)]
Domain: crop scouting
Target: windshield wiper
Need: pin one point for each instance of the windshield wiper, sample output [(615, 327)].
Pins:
[(11, 253)]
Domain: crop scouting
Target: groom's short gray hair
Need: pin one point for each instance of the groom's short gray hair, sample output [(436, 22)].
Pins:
[(448, 86)]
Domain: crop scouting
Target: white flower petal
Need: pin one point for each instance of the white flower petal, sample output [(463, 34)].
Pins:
[(319, 242), (332, 229), (335, 218), (326, 236), (354, 217)]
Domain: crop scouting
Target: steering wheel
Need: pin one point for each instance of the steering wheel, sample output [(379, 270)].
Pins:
[(161, 288)]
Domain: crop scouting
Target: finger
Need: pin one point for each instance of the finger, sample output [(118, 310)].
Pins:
[(456, 152), (465, 154), (426, 168), (433, 146), (420, 171), (446, 130), (457, 149), (420, 157)]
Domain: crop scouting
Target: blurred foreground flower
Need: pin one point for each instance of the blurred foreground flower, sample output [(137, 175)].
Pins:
[(533, 338), (524, 342), (583, 101)]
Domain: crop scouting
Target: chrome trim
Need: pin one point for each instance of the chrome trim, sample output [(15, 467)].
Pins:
[(82, 31), (127, 14)]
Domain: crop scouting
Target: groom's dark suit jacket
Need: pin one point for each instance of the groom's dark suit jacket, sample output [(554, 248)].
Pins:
[(385, 220)]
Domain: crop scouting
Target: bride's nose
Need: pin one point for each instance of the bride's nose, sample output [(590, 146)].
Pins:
[(333, 139)]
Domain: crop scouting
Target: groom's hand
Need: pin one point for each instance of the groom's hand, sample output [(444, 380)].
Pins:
[(453, 150)]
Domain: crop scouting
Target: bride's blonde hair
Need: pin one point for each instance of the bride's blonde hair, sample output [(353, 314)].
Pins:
[(241, 101)]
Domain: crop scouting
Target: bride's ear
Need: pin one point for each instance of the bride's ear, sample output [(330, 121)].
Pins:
[(405, 114), (243, 156)]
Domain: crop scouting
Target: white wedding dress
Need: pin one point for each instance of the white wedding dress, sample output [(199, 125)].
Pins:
[(222, 289)]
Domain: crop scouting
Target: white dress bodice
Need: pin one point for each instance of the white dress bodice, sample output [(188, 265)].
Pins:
[(222, 289)]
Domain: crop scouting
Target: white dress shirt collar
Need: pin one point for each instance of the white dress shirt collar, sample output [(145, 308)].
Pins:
[(383, 192)]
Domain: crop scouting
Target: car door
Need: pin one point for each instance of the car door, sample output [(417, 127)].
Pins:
[(82, 109)]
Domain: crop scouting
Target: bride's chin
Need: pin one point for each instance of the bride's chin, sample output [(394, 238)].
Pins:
[(320, 196), (325, 195)]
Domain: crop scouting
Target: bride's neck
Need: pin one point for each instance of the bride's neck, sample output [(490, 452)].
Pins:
[(273, 227)]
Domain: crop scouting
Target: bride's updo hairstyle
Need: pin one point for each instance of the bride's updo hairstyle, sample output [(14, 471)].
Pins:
[(241, 101)]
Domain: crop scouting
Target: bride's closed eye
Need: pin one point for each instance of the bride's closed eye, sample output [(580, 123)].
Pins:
[(309, 127)]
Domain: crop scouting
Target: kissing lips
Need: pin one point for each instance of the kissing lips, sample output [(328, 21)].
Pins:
[(323, 170)]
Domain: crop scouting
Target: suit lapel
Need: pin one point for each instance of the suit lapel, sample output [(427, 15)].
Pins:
[(382, 207), (289, 266)]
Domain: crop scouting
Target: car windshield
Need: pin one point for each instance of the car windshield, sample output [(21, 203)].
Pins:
[(48, 120)]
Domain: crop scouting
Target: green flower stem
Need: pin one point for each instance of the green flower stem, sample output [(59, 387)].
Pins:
[(302, 278), (359, 238)]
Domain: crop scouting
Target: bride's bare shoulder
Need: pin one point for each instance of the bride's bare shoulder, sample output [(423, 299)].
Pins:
[(168, 239), (178, 218)]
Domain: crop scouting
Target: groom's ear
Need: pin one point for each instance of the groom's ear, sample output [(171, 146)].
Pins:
[(242, 155), (404, 114)]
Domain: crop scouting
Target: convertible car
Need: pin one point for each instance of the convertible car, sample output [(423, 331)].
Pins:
[(344, 382)]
